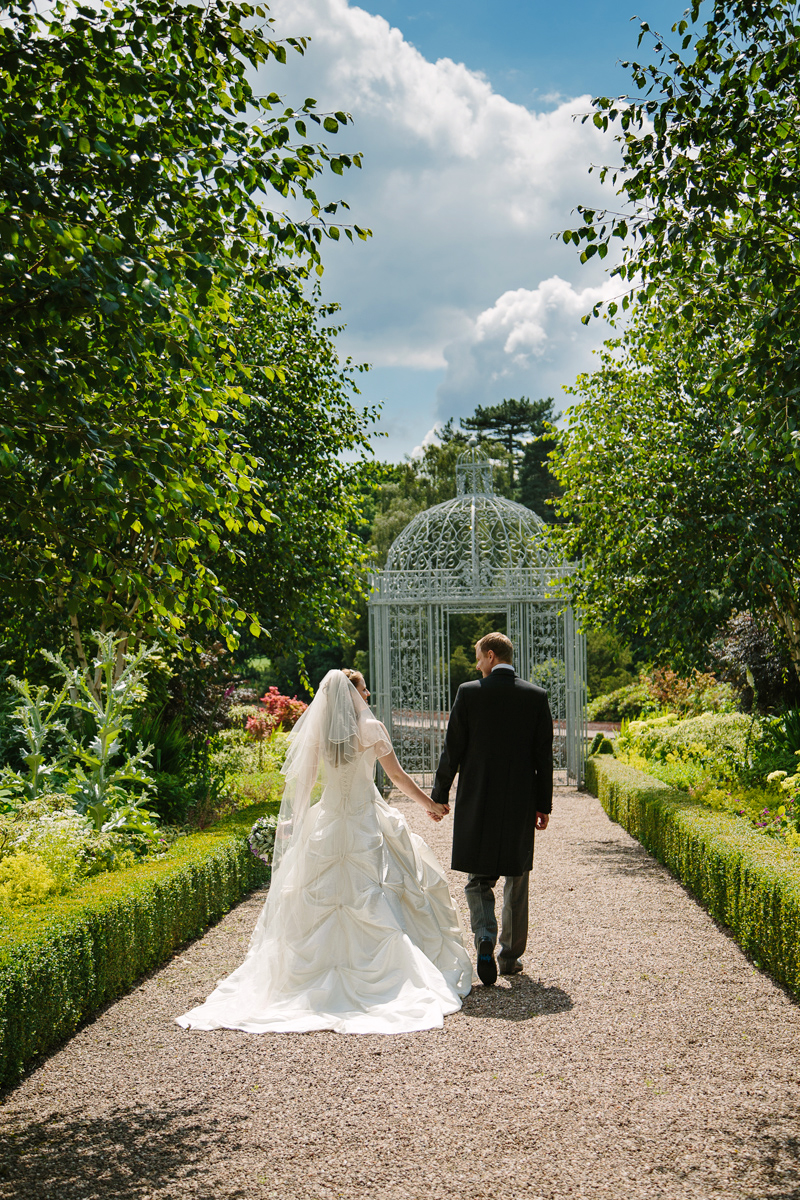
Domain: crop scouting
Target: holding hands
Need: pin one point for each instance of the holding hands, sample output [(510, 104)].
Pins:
[(436, 811), (409, 788)]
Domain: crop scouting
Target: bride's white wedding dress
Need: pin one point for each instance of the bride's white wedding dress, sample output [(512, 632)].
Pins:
[(358, 933)]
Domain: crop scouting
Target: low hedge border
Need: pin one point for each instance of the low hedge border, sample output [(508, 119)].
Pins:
[(62, 961), (743, 878)]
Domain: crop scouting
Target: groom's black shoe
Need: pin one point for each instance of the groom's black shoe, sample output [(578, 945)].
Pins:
[(487, 967), (511, 966)]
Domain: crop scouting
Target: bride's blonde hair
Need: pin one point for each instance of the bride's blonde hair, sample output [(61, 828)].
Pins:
[(352, 674)]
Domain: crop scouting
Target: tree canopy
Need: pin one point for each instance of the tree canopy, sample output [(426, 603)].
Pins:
[(137, 162), (709, 183), (512, 423), (696, 409), (672, 521), (303, 572)]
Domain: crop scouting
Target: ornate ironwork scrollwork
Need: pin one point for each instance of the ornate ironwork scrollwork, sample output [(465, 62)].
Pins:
[(482, 553)]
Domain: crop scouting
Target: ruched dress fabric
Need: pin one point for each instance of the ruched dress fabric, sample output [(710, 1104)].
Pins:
[(358, 933)]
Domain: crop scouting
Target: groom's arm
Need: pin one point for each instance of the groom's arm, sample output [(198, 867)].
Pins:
[(455, 741), (543, 759)]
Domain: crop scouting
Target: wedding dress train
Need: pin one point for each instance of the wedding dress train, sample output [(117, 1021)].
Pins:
[(358, 933)]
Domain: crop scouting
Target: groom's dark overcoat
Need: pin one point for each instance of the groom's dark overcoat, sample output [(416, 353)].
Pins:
[(500, 742)]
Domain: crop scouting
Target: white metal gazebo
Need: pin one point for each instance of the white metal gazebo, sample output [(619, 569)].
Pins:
[(478, 553)]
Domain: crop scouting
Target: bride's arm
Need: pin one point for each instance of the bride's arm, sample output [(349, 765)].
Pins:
[(406, 785)]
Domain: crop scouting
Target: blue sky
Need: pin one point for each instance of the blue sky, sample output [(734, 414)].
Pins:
[(468, 117), (530, 49)]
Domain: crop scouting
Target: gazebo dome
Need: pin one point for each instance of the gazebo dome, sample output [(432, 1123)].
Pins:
[(475, 541)]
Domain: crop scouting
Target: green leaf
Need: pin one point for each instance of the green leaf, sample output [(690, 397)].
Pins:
[(118, 432)]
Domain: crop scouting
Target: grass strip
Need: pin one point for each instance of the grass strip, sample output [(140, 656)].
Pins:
[(63, 960), (746, 880)]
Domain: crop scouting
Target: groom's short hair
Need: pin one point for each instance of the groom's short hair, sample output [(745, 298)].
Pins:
[(502, 646)]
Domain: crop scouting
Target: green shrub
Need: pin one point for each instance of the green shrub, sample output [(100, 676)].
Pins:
[(660, 688), (777, 745), (233, 752), (62, 960), (718, 745), (601, 745), (107, 694), (609, 662), (690, 695), (174, 797), (749, 882), (787, 734), (67, 842), (61, 839), (258, 787), (682, 773), (171, 744), (770, 809), (240, 714), (726, 733), (171, 754), (630, 701)]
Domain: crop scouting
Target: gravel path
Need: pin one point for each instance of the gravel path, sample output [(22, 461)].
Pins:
[(640, 1055)]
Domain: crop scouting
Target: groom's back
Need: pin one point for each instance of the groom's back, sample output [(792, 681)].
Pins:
[(503, 716), (500, 741), (502, 703)]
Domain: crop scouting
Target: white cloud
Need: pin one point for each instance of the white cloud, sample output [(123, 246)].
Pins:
[(463, 191), (529, 341), (431, 438)]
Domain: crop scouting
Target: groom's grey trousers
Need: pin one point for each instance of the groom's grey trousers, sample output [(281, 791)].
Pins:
[(514, 927)]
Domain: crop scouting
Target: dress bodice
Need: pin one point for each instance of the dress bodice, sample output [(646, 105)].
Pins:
[(341, 779)]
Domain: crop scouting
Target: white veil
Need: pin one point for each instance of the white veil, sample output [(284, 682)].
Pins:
[(334, 730)]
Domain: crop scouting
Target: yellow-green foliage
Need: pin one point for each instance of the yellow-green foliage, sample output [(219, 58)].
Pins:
[(789, 784), (721, 740), (682, 753), (62, 960), (57, 836), (25, 879), (749, 882)]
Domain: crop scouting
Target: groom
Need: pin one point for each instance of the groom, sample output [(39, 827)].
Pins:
[(500, 741)]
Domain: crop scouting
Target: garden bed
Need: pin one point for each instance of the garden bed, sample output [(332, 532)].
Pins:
[(749, 882), (63, 960)]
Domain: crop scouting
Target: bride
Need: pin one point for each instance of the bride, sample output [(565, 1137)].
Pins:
[(358, 932)]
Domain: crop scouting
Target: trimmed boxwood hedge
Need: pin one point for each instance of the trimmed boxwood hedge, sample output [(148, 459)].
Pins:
[(746, 880), (62, 960)]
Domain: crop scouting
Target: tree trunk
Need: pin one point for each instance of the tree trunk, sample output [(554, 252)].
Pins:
[(83, 662), (787, 614), (119, 663)]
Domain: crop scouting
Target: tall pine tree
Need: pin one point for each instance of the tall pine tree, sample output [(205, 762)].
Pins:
[(520, 426)]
